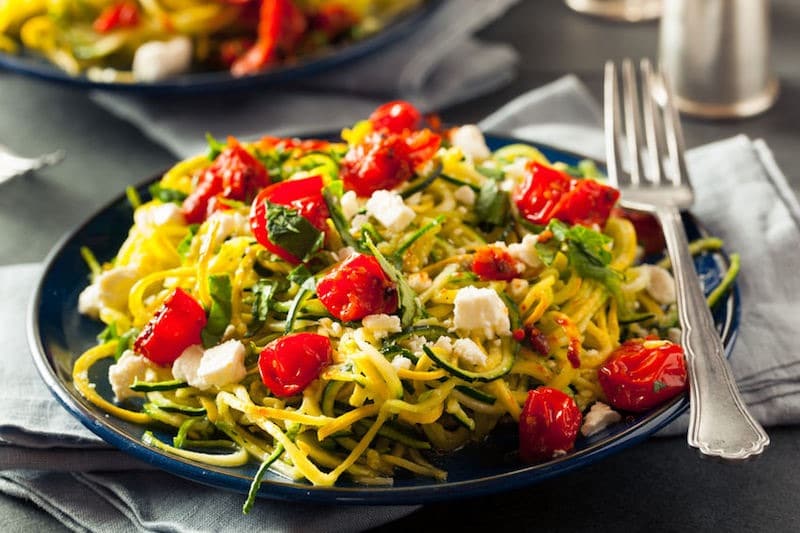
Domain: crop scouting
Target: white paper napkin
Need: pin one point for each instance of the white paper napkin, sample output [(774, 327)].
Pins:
[(437, 65)]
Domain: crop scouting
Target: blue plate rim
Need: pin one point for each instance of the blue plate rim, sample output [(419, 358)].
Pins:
[(288, 490), (205, 82)]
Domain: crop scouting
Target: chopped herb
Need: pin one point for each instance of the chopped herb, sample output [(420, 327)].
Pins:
[(308, 288), (124, 340), (332, 195), (293, 232), (263, 292), (299, 274), (219, 316), (496, 174), (492, 204), (214, 147), (186, 243), (658, 386), (409, 306), (167, 195)]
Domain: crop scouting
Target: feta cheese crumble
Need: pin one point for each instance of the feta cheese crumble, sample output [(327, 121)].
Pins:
[(122, 374), (481, 310), (525, 251), (158, 60), (470, 140), (217, 366), (389, 209), (381, 325), (599, 417), (469, 352)]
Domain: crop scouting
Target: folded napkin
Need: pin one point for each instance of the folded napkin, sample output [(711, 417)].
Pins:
[(437, 65), (741, 196)]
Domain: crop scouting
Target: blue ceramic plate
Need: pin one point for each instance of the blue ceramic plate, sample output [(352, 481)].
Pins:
[(32, 64), (58, 334)]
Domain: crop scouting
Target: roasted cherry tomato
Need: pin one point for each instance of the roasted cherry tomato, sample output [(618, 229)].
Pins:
[(548, 425), (588, 203), (548, 193), (357, 287), (290, 363), (281, 143), (175, 326), (304, 195), (423, 145), (281, 25), (380, 162), (494, 263), (235, 174), (396, 117), (115, 16), (642, 374)]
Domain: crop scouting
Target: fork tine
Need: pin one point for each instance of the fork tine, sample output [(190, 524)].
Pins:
[(674, 133), (633, 132), (653, 126), (611, 118)]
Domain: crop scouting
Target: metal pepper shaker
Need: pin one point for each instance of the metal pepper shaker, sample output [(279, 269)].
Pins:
[(716, 54)]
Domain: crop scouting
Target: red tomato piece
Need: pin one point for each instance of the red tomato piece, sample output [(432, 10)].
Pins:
[(380, 162), (175, 326), (548, 193), (494, 263), (397, 116), (588, 203), (641, 374), (289, 364), (357, 287), (303, 195), (235, 174), (423, 145), (648, 229), (539, 196), (281, 25), (304, 145), (548, 425), (119, 15)]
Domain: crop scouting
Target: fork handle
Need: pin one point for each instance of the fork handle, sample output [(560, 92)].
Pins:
[(720, 425)]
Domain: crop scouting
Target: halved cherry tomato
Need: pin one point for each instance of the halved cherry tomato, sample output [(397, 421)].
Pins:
[(281, 25), (304, 195), (120, 15), (380, 162), (175, 326), (289, 364), (235, 174), (548, 425), (396, 117), (641, 374), (539, 196), (494, 263), (588, 203), (648, 230), (548, 193), (385, 160), (357, 287)]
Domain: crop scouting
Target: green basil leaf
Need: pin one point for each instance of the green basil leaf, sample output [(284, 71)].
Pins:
[(293, 232), (308, 288), (332, 195), (409, 306), (166, 195), (186, 243), (214, 146), (492, 204), (263, 292), (219, 316)]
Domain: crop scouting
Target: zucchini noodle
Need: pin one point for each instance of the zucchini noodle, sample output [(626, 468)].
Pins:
[(399, 385)]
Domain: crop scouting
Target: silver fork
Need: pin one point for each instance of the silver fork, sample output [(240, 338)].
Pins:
[(720, 425), (12, 165)]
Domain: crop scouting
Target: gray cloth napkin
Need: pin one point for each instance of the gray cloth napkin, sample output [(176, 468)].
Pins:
[(437, 65), (741, 196)]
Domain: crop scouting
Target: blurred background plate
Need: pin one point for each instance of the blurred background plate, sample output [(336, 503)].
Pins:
[(34, 65), (58, 334)]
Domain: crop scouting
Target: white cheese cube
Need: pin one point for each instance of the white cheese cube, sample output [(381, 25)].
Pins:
[(444, 344), (223, 364), (122, 374), (110, 289), (470, 140), (186, 365), (481, 310), (525, 251), (419, 281), (599, 417), (158, 60), (465, 195), (350, 206), (469, 352), (401, 361), (389, 209), (153, 215), (381, 325)]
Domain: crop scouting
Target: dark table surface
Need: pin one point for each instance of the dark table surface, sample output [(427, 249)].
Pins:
[(658, 485)]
